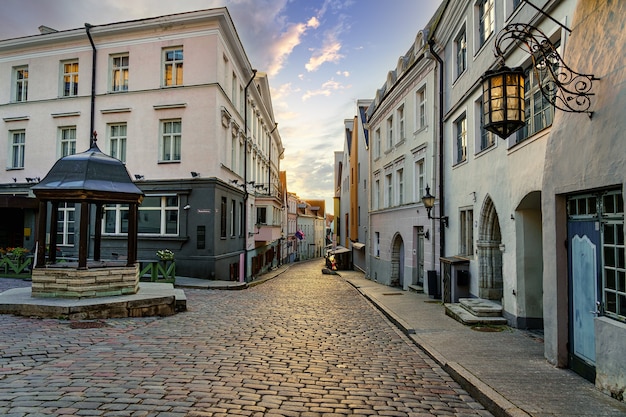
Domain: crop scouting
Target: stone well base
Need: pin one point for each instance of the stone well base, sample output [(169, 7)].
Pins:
[(57, 282)]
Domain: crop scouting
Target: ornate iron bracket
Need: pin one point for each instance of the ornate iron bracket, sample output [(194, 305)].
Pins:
[(553, 75)]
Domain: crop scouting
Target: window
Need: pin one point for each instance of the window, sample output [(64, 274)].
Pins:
[(67, 141), (390, 132), (486, 13), (173, 66), (460, 44), (401, 134), (607, 209), (487, 138), (538, 111), (389, 190), (377, 143), (223, 215), (240, 219), (376, 196), (65, 224), (460, 127), (377, 244), (119, 73), (171, 135), (261, 215), (400, 182), (466, 241), (21, 84), (419, 182), (117, 141), (234, 89), (70, 79), (614, 264), (18, 143), (421, 108), (158, 215)]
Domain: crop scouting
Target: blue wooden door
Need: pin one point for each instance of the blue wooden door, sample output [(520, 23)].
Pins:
[(584, 259)]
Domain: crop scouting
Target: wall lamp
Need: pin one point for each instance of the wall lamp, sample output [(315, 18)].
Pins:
[(429, 203), (503, 88), (139, 177), (258, 230), (195, 174)]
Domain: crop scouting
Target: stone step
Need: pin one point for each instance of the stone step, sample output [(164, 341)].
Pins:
[(460, 314), (416, 288), (481, 307)]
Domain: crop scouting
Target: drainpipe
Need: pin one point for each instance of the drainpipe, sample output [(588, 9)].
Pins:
[(245, 178), (93, 84), (442, 230)]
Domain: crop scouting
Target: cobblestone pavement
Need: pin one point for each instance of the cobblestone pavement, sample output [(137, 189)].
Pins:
[(302, 344)]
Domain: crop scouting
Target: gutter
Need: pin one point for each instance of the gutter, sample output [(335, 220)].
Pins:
[(442, 231), (93, 86)]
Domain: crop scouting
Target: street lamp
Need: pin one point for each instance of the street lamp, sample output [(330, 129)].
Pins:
[(503, 88), (429, 203)]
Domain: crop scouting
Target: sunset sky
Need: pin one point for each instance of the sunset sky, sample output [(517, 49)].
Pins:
[(321, 56)]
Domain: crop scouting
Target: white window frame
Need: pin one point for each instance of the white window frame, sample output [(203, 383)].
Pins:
[(17, 149), (170, 140), (119, 64), (173, 66), (390, 141), (400, 121), (419, 180), (377, 143), (460, 47), (486, 13), (67, 141), (466, 231), (20, 83), (484, 138), (420, 99), (168, 207), (69, 78), (460, 139), (66, 222), (400, 186), (388, 190), (117, 140)]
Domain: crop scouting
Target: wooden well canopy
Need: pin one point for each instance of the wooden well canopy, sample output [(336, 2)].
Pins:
[(87, 178)]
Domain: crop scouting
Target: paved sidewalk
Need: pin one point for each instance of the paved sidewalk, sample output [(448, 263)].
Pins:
[(506, 371)]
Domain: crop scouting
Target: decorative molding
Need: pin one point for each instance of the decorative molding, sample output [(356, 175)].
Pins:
[(15, 118), (65, 114), (169, 106), (120, 110)]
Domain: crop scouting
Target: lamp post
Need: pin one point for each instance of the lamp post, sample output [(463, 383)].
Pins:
[(429, 203)]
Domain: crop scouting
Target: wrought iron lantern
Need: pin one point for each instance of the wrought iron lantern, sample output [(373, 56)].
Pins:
[(429, 203), (503, 88), (503, 100)]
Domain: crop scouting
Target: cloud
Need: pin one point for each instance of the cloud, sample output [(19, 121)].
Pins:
[(326, 90), (329, 52), (344, 73)]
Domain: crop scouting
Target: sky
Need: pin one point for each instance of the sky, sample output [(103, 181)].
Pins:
[(321, 56)]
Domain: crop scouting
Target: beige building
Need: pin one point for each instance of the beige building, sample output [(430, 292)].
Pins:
[(176, 99)]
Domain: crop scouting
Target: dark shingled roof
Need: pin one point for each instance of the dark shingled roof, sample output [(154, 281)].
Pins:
[(90, 175)]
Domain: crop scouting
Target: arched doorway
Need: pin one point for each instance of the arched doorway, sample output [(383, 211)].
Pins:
[(529, 261), (397, 262), (489, 254)]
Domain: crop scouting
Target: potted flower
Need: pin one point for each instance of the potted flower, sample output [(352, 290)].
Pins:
[(165, 255)]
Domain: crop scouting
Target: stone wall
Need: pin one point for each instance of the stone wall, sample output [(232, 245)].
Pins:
[(87, 283)]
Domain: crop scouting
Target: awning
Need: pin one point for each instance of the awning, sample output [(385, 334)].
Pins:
[(358, 245), (340, 249)]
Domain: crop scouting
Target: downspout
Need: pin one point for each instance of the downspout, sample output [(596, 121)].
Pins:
[(93, 85), (442, 230), (245, 178)]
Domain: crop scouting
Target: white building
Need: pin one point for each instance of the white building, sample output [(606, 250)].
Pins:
[(169, 96), (402, 241)]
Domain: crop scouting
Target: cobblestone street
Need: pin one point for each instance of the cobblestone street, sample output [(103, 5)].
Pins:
[(301, 344)]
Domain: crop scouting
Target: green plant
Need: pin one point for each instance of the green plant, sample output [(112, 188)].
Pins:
[(165, 255)]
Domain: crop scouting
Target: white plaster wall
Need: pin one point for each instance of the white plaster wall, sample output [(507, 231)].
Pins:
[(582, 154)]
